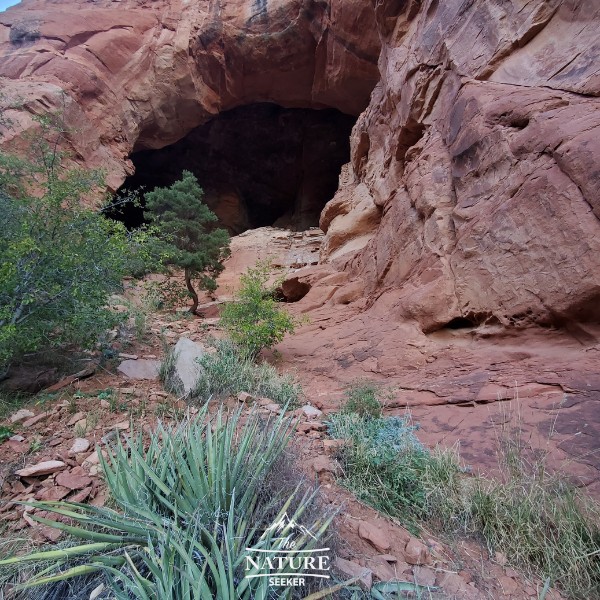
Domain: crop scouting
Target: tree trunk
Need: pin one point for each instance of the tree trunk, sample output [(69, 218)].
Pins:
[(192, 291)]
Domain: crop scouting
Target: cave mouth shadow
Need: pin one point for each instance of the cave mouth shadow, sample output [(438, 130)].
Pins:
[(259, 165)]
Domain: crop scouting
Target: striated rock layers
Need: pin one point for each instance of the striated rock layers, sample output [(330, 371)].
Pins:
[(474, 187), (473, 192)]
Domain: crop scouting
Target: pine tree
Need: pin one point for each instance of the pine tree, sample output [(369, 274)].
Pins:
[(187, 228)]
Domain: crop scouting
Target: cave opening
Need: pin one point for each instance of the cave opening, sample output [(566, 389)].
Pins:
[(259, 164)]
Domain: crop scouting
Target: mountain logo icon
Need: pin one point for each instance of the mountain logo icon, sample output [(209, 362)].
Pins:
[(286, 526)]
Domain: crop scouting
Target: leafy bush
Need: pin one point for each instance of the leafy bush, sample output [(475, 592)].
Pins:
[(189, 506), (384, 463), (362, 398), (187, 229), (255, 320), (61, 260), (230, 370)]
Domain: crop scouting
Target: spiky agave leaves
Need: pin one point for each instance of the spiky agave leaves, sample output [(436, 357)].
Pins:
[(196, 466), (189, 508)]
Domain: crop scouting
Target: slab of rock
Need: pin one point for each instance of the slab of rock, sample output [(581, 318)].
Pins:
[(37, 419), (21, 415), (43, 468), (79, 445), (72, 481), (56, 492), (142, 368), (187, 369), (377, 537), (245, 397), (75, 418), (352, 569)]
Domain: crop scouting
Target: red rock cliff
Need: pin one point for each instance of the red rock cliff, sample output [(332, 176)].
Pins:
[(474, 186)]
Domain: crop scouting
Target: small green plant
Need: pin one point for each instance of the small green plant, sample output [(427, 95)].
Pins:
[(80, 430), (5, 433), (363, 399), (35, 445), (255, 320), (230, 370), (167, 368), (72, 404)]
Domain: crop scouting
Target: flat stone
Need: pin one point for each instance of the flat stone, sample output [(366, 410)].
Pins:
[(43, 468), (71, 481), (424, 576), (16, 438), (81, 495), (56, 492), (245, 397), (79, 445), (187, 368), (21, 415), (128, 356), (382, 570), (76, 417), (37, 419), (378, 538), (352, 569), (140, 369)]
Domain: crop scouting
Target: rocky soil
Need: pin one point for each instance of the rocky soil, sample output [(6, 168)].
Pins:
[(461, 391)]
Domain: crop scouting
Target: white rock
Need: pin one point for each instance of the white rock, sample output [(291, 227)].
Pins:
[(187, 368), (80, 445), (140, 369), (311, 412), (21, 415)]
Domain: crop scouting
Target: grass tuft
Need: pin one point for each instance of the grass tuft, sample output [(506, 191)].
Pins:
[(538, 519), (229, 370)]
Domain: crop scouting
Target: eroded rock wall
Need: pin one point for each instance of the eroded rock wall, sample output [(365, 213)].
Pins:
[(480, 150), (473, 189), (134, 74)]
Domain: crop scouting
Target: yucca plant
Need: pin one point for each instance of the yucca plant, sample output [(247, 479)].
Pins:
[(188, 507)]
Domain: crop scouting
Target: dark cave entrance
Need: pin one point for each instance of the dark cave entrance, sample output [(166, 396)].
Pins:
[(259, 165)]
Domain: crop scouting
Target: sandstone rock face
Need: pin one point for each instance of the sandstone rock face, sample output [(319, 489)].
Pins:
[(480, 148), (135, 75), (472, 194)]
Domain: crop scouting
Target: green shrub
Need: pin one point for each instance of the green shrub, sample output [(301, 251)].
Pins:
[(60, 260), (186, 227), (255, 319), (188, 507), (384, 464), (230, 370), (362, 398)]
